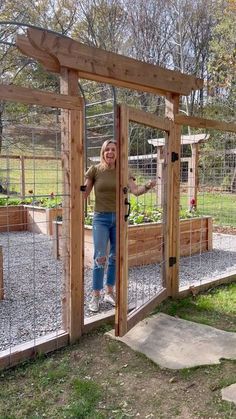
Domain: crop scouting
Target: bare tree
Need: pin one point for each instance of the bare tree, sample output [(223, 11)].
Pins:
[(101, 24), (189, 45)]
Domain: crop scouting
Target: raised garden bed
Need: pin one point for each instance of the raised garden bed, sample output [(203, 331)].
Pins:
[(145, 240), (39, 219), (28, 217), (13, 218)]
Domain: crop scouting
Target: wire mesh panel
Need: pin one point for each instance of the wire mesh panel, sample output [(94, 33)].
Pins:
[(31, 202), (208, 199), (99, 126), (99, 101), (145, 235)]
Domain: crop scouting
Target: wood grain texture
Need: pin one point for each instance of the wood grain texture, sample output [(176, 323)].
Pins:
[(99, 65)]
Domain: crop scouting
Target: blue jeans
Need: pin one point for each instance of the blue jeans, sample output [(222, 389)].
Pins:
[(104, 233)]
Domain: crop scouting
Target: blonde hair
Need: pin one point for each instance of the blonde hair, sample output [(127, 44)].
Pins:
[(103, 163)]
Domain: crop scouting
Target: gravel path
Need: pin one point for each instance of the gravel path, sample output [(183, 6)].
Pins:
[(33, 286)]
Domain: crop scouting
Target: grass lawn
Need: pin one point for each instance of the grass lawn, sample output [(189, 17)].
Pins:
[(216, 308), (220, 206), (102, 378), (41, 176)]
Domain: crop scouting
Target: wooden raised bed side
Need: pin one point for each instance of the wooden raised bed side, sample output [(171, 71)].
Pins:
[(39, 219), (13, 218), (145, 240), (28, 218)]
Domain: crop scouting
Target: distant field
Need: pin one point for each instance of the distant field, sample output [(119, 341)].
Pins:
[(220, 206), (42, 177)]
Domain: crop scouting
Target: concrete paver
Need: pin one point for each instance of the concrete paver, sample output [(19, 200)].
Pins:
[(229, 393), (176, 343)]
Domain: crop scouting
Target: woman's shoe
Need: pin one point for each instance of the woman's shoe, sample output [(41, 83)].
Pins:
[(110, 298), (94, 304)]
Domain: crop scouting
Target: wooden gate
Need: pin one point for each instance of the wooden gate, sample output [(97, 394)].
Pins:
[(126, 316)]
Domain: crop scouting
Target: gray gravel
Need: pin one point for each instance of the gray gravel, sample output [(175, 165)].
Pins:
[(33, 283)]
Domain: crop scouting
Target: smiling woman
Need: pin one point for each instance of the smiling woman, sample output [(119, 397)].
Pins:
[(103, 178)]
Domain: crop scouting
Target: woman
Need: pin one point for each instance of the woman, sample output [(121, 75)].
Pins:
[(103, 178)]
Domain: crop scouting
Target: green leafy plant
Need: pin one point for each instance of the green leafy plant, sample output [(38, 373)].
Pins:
[(141, 213), (89, 219), (45, 202)]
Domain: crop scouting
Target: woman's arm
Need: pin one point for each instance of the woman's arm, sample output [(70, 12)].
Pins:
[(140, 190), (89, 186)]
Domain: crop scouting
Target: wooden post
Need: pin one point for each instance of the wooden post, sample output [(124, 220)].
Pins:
[(122, 225), (22, 177), (73, 209), (209, 234), (56, 238), (171, 199), (159, 178), (193, 175), (1, 275)]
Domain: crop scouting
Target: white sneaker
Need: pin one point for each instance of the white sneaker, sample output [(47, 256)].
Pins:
[(94, 304), (110, 298)]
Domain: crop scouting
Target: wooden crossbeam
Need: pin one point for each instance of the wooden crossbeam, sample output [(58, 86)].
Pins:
[(28, 350), (196, 122), (38, 97), (49, 62), (18, 157), (99, 65), (148, 119)]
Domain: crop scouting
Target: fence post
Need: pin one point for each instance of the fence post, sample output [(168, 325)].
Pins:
[(1, 275), (171, 178), (22, 177)]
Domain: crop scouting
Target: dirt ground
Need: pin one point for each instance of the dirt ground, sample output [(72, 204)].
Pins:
[(136, 387), (132, 386), (129, 384)]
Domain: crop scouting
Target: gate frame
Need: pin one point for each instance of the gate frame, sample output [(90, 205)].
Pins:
[(123, 322), (72, 108)]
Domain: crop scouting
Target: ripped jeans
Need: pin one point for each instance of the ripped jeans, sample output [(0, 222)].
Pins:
[(104, 232)]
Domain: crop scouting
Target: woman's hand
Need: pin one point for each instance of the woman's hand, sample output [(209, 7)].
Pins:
[(89, 186), (140, 190), (150, 184)]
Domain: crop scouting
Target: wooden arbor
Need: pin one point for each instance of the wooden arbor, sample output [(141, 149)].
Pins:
[(73, 60), (193, 140)]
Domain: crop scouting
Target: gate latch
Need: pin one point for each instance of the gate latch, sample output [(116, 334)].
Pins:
[(172, 261), (174, 156), (128, 204)]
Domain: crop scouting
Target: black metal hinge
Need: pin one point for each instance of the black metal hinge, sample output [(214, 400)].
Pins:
[(172, 261), (174, 156)]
